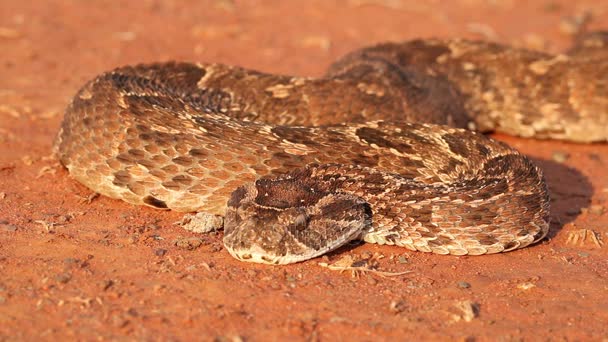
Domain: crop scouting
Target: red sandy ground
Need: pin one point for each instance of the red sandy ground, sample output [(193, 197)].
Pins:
[(106, 269)]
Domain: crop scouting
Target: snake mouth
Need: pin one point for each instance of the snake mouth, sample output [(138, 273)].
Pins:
[(262, 255)]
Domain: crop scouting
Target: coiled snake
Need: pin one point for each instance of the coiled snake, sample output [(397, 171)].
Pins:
[(375, 150)]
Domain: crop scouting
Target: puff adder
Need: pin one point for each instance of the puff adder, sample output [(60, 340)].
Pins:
[(379, 149)]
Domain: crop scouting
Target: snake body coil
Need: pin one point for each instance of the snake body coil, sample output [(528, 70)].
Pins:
[(376, 150)]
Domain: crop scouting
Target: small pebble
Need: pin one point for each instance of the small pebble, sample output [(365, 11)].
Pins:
[(535, 42), (106, 284), (148, 228), (201, 222), (70, 261), (596, 209), (160, 252), (403, 259), (189, 243), (9, 33), (366, 255), (397, 306), (8, 227), (320, 42), (583, 254), (64, 218), (572, 25), (463, 285), (560, 157), (63, 277), (119, 321), (526, 286), (226, 338), (569, 26)]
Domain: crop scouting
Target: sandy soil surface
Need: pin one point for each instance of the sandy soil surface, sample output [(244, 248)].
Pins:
[(103, 269)]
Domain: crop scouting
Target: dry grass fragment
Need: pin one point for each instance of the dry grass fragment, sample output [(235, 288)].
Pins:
[(580, 236), (358, 267), (468, 311)]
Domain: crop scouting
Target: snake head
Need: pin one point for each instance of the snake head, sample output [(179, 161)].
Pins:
[(285, 220)]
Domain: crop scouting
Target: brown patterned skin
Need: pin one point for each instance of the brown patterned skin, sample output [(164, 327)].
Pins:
[(340, 157), (458, 193), (514, 91)]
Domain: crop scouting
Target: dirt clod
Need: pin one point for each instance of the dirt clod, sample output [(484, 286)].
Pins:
[(463, 285), (63, 277), (189, 243), (397, 306), (8, 227)]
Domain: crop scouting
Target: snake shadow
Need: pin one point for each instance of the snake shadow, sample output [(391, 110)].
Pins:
[(570, 191)]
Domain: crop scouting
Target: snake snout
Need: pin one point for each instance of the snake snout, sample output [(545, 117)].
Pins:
[(271, 235)]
